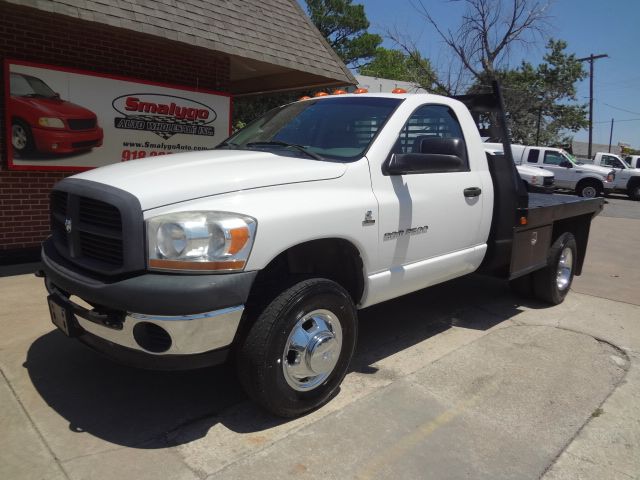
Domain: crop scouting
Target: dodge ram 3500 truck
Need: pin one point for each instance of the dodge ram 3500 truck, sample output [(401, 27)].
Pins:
[(627, 178), (267, 246)]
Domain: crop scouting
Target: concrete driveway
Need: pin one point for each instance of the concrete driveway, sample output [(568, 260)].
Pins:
[(463, 380)]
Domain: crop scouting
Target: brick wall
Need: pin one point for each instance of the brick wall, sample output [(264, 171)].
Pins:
[(33, 35)]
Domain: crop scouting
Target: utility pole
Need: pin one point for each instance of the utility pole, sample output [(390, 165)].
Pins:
[(610, 135), (591, 58)]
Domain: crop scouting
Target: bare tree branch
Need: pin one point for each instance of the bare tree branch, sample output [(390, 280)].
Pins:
[(487, 31)]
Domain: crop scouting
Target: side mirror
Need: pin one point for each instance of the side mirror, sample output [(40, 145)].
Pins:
[(56, 96), (430, 155), (566, 164), (408, 163)]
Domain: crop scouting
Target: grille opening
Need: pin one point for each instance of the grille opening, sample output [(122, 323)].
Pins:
[(82, 123), (105, 249), (101, 214), (58, 201), (86, 144), (151, 337)]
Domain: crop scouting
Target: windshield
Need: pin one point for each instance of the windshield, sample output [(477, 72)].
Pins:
[(27, 86), (331, 128), (571, 158)]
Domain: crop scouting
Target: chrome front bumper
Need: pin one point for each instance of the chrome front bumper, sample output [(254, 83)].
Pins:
[(189, 334)]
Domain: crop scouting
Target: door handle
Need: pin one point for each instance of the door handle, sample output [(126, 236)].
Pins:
[(472, 192)]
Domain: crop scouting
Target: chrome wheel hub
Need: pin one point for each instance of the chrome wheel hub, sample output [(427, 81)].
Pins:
[(18, 137), (565, 267), (312, 350), (589, 192)]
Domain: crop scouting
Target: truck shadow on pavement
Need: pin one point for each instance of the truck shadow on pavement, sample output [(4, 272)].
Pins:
[(149, 409)]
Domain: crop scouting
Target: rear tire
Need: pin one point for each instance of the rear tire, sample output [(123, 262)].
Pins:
[(634, 192), (297, 353), (552, 283), (588, 188)]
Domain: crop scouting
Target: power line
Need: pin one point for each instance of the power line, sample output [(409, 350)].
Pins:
[(618, 108), (624, 120)]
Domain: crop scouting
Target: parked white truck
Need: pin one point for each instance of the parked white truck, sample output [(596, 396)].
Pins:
[(627, 178), (266, 247), (633, 161), (536, 179), (586, 180)]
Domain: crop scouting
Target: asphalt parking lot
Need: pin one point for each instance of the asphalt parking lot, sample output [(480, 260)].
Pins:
[(463, 380)]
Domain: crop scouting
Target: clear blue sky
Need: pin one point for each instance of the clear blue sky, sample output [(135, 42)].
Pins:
[(589, 26)]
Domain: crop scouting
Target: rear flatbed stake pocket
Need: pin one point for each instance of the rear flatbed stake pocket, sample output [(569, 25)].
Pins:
[(263, 250)]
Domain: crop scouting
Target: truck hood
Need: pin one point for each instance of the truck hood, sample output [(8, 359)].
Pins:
[(167, 179), (604, 171), (527, 170)]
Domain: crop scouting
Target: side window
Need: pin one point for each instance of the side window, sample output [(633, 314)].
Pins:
[(430, 121), (533, 156), (553, 158), (610, 161)]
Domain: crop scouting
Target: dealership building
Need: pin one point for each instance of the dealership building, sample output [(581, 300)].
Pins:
[(92, 82)]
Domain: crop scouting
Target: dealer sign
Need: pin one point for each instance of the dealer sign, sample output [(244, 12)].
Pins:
[(63, 119)]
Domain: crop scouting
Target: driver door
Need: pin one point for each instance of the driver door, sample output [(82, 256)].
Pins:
[(556, 162), (428, 223)]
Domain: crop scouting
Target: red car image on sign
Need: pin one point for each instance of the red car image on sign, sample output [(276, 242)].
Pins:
[(43, 123)]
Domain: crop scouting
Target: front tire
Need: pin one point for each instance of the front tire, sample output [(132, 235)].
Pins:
[(297, 353), (21, 138), (588, 189), (552, 283)]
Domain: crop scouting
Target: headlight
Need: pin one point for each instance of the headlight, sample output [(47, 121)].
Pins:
[(200, 241), (534, 180), (50, 122), (611, 177)]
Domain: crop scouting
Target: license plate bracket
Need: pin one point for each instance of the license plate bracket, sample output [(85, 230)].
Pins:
[(62, 316)]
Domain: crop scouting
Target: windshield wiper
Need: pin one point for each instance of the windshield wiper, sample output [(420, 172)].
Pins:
[(228, 144), (300, 148)]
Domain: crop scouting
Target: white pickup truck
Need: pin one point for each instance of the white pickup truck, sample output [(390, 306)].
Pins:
[(627, 178), (266, 247), (586, 180), (536, 179), (633, 161)]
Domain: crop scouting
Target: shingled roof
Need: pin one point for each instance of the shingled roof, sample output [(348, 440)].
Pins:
[(271, 43)]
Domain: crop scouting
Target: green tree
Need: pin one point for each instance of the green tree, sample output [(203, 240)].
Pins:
[(345, 27), (541, 101), (396, 65)]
